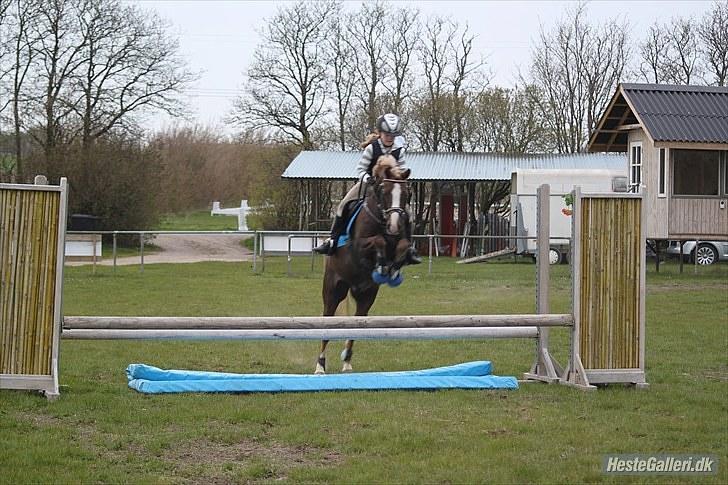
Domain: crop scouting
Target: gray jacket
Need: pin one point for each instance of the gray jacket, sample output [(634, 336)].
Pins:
[(366, 163)]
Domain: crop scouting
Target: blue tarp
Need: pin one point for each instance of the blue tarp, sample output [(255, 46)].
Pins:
[(470, 375)]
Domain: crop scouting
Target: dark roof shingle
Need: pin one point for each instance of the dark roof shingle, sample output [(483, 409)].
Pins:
[(691, 114)]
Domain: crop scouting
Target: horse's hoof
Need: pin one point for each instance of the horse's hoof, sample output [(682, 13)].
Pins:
[(396, 281), (379, 278), (346, 367), (320, 366)]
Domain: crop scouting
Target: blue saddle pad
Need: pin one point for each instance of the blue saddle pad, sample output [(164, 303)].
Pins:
[(344, 238)]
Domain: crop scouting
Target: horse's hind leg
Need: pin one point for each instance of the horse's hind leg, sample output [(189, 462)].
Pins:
[(364, 301), (334, 292), (321, 362)]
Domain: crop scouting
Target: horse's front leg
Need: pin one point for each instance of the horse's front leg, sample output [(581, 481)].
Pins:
[(378, 245), (346, 356), (400, 259)]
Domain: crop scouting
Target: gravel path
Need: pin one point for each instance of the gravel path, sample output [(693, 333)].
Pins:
[(186, 248)]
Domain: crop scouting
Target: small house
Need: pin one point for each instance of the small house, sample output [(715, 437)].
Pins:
[(676, 143)]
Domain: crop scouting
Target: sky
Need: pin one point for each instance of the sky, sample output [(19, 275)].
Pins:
[(218, 38)]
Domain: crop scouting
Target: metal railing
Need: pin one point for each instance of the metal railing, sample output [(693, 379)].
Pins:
[(259, 248)]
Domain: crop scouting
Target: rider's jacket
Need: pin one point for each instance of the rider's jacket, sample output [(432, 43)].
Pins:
[(376, 149)]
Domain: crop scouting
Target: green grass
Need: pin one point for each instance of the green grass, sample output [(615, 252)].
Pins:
[(198, 221), (100, 431)]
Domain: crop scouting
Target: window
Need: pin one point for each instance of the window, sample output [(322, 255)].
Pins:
[(635, 167), (696, 172), (661, 187)]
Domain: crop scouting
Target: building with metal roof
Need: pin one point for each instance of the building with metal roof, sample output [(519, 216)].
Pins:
[(452, 193), (676, 144), (447, 166)]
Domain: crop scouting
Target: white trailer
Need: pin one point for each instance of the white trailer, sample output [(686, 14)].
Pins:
[(524, 183)]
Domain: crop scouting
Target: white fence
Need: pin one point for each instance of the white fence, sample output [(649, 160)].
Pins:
[(240, 212)]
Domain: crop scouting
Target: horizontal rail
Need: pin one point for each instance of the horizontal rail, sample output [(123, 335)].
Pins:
[(318, 323), (304, 334)]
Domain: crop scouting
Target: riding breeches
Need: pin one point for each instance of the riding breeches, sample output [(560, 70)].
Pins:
[(352, 194)]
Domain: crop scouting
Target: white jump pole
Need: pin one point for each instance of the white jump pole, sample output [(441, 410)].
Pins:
[(306, 334)]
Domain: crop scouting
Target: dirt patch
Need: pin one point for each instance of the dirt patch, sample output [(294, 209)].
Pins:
[(188, 248)]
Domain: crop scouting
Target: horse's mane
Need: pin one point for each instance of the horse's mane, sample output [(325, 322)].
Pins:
[(387, 168)]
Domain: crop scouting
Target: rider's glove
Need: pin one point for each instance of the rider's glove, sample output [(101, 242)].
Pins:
[(367, 179)]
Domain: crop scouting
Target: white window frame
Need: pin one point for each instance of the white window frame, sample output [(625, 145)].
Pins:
[(635, 187), (663, 171)]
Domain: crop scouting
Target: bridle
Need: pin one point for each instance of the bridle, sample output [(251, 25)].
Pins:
[(383, 215)]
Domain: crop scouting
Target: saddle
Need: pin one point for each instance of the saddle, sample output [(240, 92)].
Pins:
[(351, 211)]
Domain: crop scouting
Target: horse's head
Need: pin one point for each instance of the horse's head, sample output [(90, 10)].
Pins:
[(392, 193)]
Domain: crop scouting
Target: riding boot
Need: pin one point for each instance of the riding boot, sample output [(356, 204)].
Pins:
[(329, 246), (412, 256)]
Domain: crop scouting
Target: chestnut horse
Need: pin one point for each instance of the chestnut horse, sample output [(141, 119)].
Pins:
[(376, 251)]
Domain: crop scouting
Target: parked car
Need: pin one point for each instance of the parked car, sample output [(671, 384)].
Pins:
[(709, 252)]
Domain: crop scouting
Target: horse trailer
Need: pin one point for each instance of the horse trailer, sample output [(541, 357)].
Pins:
[(524, 183)]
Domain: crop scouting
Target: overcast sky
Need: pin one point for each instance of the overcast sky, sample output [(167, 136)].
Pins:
[(219, 37)]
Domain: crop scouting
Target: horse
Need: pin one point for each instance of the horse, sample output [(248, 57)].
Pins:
[(376, 251)]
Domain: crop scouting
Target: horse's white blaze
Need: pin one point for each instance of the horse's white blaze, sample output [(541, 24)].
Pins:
[(394, 218)]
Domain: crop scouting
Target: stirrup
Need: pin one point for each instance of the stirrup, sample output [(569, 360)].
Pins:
[(328, 247), (324, 248)]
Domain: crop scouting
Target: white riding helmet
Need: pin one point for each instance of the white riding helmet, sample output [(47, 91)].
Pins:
[(389, 123)]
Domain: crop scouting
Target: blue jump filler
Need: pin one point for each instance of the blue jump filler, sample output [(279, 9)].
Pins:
[(469, 375)]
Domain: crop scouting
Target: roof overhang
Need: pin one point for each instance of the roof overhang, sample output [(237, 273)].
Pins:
[(612, 131)]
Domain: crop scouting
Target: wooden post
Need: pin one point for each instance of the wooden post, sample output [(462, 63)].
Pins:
[(545, 368)]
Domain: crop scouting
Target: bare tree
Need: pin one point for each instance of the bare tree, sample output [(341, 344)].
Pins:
[(366, 33), (5, 49), (130, 63), (653, 54), (713, 31), (577, 67), (286, 81), (400, 56), (467, 80), (59, 56), (342, 63), (428, 122), (684, 54), (15, 64), (509, 121)]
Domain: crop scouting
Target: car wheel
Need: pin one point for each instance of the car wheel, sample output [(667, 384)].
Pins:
[(554, 256), (706, 255)]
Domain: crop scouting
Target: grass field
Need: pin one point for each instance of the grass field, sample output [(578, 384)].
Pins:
[(198, 221), (100, 431)]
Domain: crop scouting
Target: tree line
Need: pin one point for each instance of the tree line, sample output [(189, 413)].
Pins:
[(323, 72), (78, 78)]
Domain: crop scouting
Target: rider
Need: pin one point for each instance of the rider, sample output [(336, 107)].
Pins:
[(386, 141)]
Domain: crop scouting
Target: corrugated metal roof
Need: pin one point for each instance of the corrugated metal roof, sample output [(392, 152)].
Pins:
[(447, 165), (690, 114)]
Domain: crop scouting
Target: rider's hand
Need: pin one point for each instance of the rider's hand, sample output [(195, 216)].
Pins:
[(367, 179)]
